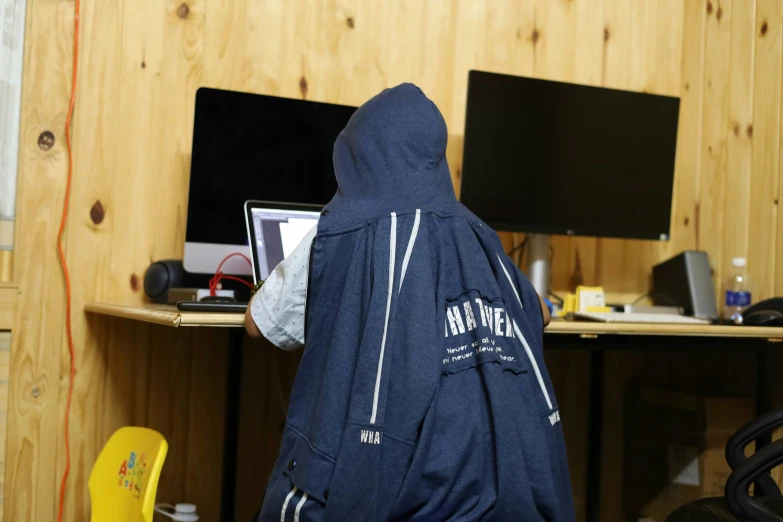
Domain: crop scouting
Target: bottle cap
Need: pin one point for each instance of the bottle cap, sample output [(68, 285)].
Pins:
[(185, 508), (178, 513), (738, 262)]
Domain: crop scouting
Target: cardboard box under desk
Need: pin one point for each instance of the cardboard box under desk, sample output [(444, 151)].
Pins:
[(675, 449)]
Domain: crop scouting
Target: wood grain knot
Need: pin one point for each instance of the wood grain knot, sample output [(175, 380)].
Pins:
[(719, 14), (303, 87), (535, 35), (686, 221), (776, 202), (607, 34), (97, 213), (134, 282), (736, 129), (143, 64), (749, 130), (687, 86), (349, 22), (183, 11), (709, 8), (46, 140)]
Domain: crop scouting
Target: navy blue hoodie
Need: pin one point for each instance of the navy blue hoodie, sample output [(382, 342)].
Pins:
[(422, 392)]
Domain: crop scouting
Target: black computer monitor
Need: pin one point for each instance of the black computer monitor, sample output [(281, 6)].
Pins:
[(252, 146), (548, 157)]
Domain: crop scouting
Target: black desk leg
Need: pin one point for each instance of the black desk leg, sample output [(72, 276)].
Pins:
[(231, 430), (765, 387), (595, 442)]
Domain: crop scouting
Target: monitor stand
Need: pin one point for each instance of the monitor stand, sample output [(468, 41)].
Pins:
[(539, 269)]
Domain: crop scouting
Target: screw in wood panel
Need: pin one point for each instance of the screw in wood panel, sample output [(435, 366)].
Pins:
[(46, 140), (143, 64), (764, 28), (709, 8), (749, 130), (719, 14), (97, 212), (607, 34), (36, 392), (303, 86), (686, 221), (134, 282), (349, 21), (183, 11)]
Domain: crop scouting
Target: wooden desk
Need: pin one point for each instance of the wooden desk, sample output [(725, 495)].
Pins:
[(596, 337), (167, 315), (170, 316)]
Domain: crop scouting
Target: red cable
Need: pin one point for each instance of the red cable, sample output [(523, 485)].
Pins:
[(219, 275), (63, 263)]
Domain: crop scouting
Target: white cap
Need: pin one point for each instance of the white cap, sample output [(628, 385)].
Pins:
[(180, 513), (738, 262), (185, 508)]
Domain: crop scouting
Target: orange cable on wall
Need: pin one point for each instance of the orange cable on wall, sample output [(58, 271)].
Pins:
[(63, 263)]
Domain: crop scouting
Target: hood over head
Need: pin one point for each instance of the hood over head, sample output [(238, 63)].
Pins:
[(392, 156)]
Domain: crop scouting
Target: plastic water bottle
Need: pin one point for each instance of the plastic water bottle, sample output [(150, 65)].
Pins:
[(738, 295)]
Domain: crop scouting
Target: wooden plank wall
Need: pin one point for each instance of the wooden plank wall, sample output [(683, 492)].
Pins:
[(140, 65)]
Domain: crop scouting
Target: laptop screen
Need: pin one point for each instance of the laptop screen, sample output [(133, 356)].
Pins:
[(275, 234)]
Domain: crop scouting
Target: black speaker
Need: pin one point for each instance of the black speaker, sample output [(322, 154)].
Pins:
[(163, 275)]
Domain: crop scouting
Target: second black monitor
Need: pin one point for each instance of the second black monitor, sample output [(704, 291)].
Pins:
[(556, 158)]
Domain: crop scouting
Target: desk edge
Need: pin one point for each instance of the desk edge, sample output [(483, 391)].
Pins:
[(136, 313)]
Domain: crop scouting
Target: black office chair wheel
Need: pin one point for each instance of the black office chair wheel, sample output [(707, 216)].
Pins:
[(717, 510)]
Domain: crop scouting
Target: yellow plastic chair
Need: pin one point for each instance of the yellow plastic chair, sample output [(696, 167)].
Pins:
[(124, 479)]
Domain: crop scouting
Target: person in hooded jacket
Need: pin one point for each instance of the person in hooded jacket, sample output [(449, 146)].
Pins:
[(422, 393)]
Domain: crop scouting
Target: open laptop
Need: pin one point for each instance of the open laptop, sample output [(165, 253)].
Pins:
[(274, 230)]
